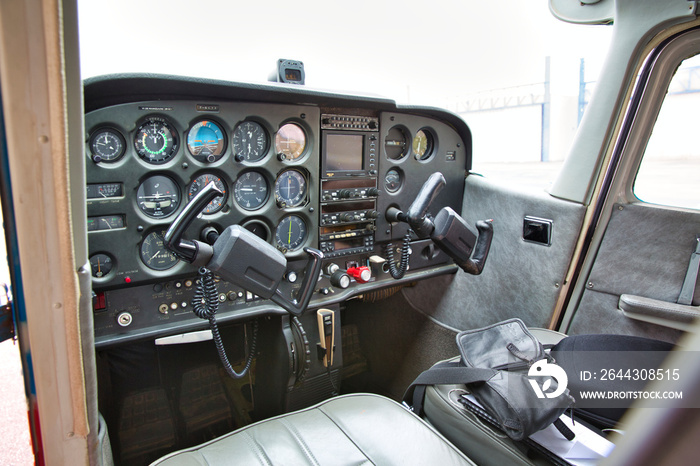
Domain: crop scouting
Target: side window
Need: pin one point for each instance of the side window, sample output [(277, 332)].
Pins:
[(668, 174)]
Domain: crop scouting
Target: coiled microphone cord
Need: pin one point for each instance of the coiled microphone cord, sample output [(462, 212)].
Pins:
[(205, 304), (403, 267)]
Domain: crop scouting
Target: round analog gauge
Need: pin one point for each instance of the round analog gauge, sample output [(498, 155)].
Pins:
[(290, 188), (107, 145), (290, 141), (158, 196), (154, 254), (423, 144), (199, 183), (250, 190), (206, 141), (396, 143), (290, 233), (155, 140), (101, 265), (258, 228), (393, 180), (249, 142)]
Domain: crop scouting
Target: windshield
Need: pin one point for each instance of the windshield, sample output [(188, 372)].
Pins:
[(475, 58)]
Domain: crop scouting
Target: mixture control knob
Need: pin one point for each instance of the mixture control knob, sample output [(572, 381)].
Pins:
[(340, 279), (360, 274)]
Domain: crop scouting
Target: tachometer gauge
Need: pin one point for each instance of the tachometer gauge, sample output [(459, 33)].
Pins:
[(290, 189), (155, 140), (396, 143), (393, 180), (107, 145), (206, 141), (290, 233), (158, 196), (101, 264), (423, 144), (249, 142), (290, 141), (199, 183), (154, 254), (250, 190)]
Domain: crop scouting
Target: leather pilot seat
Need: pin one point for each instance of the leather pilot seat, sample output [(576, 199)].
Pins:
[(349, 429)]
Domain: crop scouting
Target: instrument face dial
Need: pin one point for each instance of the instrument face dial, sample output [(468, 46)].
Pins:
[(250, 141), (101, 264), (250, 190), (290, 188), (396, 143), (199, 183), (393, 180), (156, 141), (158, 196), (154, 254), (290, 141), (423, 144), (107, 145), (290, 233), (206, 141)]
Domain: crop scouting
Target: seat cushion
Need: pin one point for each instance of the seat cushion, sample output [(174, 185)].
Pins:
[(351, 429)]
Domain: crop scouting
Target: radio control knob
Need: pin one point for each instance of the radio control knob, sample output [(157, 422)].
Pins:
[(344, 193), (372, 192), (373, 214), (346, 217), (340, 279)]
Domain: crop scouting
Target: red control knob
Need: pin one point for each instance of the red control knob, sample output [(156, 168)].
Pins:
[(360, 274)]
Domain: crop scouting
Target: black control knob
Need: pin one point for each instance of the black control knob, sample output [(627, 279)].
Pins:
[(239, 158), (344, 193), (373, 192), (347, 217), (373, 214), (372, 124), (340, 279)]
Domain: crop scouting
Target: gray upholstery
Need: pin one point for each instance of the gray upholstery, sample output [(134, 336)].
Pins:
[(350, 429)]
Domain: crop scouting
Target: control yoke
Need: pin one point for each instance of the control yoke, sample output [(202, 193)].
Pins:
[(240, 257), (448, 230)]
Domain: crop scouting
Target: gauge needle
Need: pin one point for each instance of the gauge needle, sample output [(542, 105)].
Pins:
[(154, 256), (108, 225), (99, 266), (289, 240)]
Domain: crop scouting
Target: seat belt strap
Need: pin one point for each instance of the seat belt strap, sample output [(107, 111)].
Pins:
[(442, 374), (691, 277)]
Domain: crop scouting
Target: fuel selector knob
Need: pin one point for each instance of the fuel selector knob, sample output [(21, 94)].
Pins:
[(340, 279), (360, 274)]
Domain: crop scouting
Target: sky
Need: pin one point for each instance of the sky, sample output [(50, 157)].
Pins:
[(415, 52)]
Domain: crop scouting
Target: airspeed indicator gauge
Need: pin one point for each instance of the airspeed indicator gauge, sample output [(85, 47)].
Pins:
[(156, 140)]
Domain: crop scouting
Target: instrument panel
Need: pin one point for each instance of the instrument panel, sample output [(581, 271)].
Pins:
[(295, 174)]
